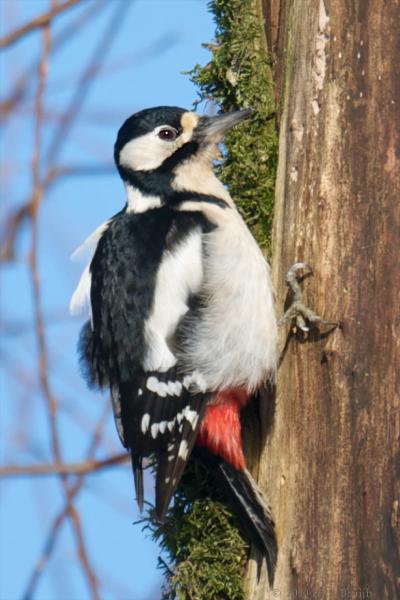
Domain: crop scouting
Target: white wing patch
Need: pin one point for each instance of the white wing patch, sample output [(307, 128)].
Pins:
[(159, 428), (80, 301), (163, 389), (90, 244), (179, 276)]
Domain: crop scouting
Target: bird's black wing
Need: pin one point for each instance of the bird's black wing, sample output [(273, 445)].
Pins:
[(160, 416), (157, 409)]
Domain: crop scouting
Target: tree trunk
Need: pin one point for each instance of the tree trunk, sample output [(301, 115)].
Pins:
[(330, 460)]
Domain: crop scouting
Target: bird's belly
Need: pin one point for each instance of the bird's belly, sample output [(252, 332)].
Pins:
[(232, 339)]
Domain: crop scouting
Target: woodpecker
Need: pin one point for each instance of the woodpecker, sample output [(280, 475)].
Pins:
[(182, 326)]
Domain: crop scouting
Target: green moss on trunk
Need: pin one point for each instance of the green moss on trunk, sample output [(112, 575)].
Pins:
[(206, 556), (239, 76), (205, 551)]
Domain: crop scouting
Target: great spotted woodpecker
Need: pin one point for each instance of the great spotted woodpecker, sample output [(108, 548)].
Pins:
[(182, 322)]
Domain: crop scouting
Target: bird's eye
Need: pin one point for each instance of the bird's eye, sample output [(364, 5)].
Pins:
[(167, 134)]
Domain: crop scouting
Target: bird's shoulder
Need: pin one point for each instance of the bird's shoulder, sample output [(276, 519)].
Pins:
[(154, 230)]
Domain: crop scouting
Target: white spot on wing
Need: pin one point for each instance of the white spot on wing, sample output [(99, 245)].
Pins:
[(154, 430), (152, 383), (170, 388), (187, 380), (174, 388), (178, 388), (191, 416), (145, 423), (162, 390), (162, 426), (199, 381), (156, 386), (183, 450), (196, 380)]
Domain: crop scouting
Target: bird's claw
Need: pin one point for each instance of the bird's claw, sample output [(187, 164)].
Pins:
[(298, 313)]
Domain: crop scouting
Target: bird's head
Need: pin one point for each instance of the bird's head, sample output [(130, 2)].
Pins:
[(163, 137)]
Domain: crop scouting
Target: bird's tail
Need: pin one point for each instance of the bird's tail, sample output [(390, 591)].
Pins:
[(137, 469), (250, 507), (253, 513)]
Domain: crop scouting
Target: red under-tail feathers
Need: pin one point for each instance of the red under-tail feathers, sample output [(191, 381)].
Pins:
[(220, 430), (220, 434)]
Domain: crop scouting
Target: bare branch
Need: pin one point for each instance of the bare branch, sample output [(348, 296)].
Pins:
[(46, 171), (21, 87), (72, 492), (83, 557), (36, 199), (87, 467), (18, 217), (41, 21), (49, 397), (87, 78), (11, 229)]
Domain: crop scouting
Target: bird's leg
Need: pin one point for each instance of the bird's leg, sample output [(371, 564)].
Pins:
[(298, 312)]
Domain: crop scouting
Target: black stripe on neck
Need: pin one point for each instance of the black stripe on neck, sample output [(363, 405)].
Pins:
[(158, 182), (180, 197)]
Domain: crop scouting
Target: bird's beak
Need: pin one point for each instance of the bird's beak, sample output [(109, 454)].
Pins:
[(213, 129)]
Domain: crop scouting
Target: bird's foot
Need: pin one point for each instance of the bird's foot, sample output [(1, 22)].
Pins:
[(298, 313)]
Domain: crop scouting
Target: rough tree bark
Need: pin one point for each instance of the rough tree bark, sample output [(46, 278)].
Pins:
[(329, 464)]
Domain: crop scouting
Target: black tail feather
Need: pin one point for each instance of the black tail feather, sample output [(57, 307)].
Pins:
[(253, 513), (172, 460), (137, 469), (250, 507)]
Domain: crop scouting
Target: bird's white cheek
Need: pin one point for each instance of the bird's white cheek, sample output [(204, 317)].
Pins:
[(145, 153)]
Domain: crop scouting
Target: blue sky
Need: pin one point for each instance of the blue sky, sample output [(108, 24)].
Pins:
[(154, 41)]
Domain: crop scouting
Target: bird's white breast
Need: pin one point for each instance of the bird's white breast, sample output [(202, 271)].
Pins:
[(233, 342)]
